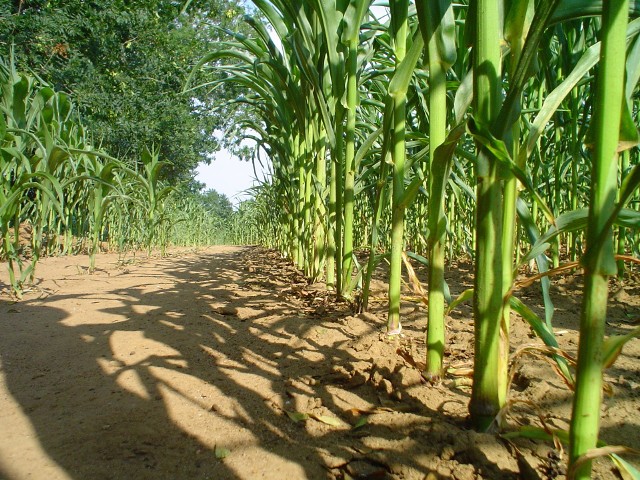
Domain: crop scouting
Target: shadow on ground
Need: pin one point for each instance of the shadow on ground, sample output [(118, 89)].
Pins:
[(223, 365)]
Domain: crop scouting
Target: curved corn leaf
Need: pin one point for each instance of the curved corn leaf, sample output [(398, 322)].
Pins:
[(544, 332), (399, 84), (553, 101), (573, 9), (463, 297), (627, 471), (612, 346), (507, 167), (531, 230)]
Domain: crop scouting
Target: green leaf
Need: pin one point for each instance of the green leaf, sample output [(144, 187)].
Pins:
[(538, 433), (507, 166), (221, 452), (627, 471), (553, 101), (366, 146), (633, 69), (567, 222), (437, 18), (418, 258), (352, 20), (361, 422), (629, 137), (612, 346), (544, 332), (402, 77), (531, 230), (573, 9), (463, 97), (297, 416), (439, 172), (20, 92), (628, 218), (463, 297)]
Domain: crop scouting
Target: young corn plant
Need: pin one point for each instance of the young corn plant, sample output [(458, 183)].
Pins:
[(438, 29)]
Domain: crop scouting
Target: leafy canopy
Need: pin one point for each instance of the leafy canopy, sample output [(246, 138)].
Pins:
[(125, 63)]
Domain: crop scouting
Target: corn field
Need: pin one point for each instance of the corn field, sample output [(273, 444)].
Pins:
[(409, 133), (59, 194), (426, 131)]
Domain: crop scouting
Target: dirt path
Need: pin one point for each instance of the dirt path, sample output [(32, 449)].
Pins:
[(225, 364)]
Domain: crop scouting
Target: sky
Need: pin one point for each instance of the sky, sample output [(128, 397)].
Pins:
[(228, 175)]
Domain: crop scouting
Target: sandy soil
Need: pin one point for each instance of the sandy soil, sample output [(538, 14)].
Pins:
[(224, 363)]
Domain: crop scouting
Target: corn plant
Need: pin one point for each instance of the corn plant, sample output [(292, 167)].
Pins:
[(446, 151), (28, 160), (598, 260)]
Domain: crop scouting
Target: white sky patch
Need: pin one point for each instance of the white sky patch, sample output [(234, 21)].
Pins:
[(229, 175)]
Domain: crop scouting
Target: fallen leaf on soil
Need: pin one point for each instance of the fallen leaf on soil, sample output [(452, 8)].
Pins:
[(297, 416), (361, 422), (221, 452), (336, 422)]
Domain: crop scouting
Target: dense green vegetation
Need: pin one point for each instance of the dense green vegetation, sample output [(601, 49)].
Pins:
[(99, 143), (125, 64)]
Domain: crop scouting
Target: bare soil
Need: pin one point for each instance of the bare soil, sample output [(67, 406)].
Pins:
[(225, 363)]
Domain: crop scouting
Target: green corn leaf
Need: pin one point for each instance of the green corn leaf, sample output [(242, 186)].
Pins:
[(418, 258), (165, 192), (544, 332), (627, 471), (440, 171), (361, 422), (20, 93), (463, 297), (573, 9), (56, 157), (553, 101), (531, 230), (277, 20), (633, 69), (25, 182), (352, 20), (538, 433), (510, 110), (400, 82), (612, 346), (463, 97), (628, 218), (366, 146), (567, 222), (436, 16), (629, 137), (518, 20), (499, 150)]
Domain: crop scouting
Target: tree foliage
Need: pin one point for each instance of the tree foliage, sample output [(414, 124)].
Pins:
[(125, 64), (217, 204)]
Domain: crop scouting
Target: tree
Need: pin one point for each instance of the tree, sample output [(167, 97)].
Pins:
[(217, 204), (125, 63)]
